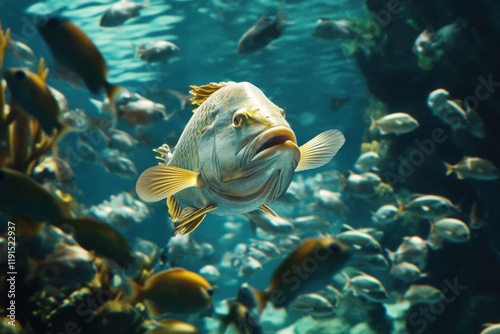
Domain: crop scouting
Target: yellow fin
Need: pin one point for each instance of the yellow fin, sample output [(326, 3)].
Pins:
[(201, 93), (174, 208), (160, 182), (43, 72), (320, 150), (190, 219), (268, 210), (449, 168)]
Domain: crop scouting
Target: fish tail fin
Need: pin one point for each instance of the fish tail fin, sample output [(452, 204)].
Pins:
[(373, 124), (62, 131), (135, 294), (391, 255), (401, 209), (262, 298), (111, 92), (347, 285), (449, 168), (432, 227), (434, 241), (475, 219)]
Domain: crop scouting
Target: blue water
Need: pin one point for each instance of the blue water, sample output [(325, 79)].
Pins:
[(297, 72)]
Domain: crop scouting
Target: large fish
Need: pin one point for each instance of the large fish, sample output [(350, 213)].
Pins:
[(236, 154)]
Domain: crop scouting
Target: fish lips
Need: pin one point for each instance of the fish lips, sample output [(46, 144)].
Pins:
[(271, 141)]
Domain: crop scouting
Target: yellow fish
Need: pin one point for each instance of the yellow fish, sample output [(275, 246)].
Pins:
[(308, 268), (173, 291), (236, 154), (32, 93), (73, 49)]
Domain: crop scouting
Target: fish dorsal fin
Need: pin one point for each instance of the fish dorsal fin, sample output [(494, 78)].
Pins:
[(320, 150), (201, 93), (190, 219), (348, 227), (174, 208), (268, 210), (43, 72), (159, 182)]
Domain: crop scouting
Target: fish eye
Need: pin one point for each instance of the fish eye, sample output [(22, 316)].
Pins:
[(210, 291), (237, 120), (283, 113), (20, 75), (333, 247)]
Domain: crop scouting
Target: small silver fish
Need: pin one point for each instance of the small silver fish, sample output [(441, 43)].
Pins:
[(366, 286), (449, 111), (429, 207), (21, 51), (313, 304), (424, 42), (473, 168), (311, 223), (157, 51), (413, 250), (122, 141), (450, 229), (386, 214), (360, 242), (269, 224), (210, 272), (121, 11), (366, 161), (117, 164), (407, 272), (423, 294), (135, 109), (397, 123), (331, 201), (362, 185)]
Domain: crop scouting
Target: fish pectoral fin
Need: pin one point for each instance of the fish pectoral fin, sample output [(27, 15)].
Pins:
[(268, 210), (320, 150), (190, 219), (160, 182)]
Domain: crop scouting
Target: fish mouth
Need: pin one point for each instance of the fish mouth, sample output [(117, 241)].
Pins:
[(268, 141)]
